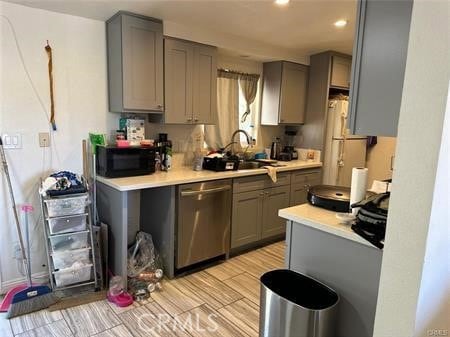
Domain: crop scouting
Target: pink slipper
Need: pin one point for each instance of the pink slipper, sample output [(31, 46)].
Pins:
[(122, 300)]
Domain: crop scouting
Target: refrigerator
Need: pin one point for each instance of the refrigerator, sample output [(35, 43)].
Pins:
[(342, 151)]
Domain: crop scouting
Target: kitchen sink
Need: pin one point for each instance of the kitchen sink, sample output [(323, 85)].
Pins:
[(250, 165)]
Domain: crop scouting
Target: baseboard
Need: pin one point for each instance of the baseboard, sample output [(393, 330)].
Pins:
[(41, 277)]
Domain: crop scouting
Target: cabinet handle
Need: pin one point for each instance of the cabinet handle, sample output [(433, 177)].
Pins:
[(307, 187), (261, 194), (266, 193), (160, 106), (189, 119), (195, 119), (281, 120)]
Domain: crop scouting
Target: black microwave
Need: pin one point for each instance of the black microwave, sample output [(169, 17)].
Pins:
[(115, 162)]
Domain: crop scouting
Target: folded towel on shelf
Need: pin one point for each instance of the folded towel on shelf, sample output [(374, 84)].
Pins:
[(272, 172)]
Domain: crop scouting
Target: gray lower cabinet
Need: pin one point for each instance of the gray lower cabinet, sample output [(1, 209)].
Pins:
[(275, 198), (299, 193), (284, 93), (300, 182), (135, 63), (379, 60), (256, 201), (246, 218), (190, 82)]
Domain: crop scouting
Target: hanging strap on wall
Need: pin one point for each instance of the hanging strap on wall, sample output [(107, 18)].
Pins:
[(48, 49)]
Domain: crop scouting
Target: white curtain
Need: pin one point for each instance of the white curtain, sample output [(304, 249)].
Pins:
[(249, 86), (227, 119)]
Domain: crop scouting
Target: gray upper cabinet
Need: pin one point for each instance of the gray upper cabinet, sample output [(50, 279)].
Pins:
[(380, 49), (205, 84), (284, 93), (135, 63), (190, 82), (341, 69), (179, 65)]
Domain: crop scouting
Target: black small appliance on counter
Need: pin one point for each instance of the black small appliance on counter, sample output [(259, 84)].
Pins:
[(220, 164), (334, 198), (116, 162)]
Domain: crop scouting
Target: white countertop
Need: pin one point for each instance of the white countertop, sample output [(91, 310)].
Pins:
[(322, 220), (184, 175)]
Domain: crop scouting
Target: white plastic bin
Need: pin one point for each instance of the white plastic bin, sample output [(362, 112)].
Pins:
[(67, 224), (67, 258), (66, 206), (63, 242), (69, 276)]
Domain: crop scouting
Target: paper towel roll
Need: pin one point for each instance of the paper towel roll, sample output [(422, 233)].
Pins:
[(358, 187)]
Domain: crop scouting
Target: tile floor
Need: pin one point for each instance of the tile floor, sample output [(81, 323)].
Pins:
[(222, 300)]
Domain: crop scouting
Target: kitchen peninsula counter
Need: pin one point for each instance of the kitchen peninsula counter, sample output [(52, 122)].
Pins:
[(321, 247)]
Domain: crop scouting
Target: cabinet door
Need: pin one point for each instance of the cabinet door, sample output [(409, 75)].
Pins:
[(246, 218), (341, 68), (179, 62), (379, 59), (294, 84), (299, 193), (205, 85), (274, 199), (142, 49)]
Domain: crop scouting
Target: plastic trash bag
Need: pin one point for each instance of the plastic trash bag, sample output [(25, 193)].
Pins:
[(144, 267), (142, 255)]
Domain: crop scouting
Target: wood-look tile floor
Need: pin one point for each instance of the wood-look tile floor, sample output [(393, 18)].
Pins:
[(221, 301)]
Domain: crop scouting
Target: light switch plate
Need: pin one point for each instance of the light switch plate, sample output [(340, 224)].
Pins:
[(12, 140), (44, 139)]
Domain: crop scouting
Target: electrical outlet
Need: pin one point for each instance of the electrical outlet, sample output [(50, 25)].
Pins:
[(44, 139), (12, 140)]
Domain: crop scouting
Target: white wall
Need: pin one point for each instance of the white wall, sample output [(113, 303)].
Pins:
[(79, 52), (419, 139), (379, 159), (433, 310)]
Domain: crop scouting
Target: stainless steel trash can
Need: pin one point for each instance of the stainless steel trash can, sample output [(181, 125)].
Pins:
[(295, 305)]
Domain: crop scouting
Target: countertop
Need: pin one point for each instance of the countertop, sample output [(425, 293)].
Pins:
[(184, 175), (322, 220)]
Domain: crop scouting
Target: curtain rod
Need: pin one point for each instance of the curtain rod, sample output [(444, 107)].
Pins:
[(239, 73)]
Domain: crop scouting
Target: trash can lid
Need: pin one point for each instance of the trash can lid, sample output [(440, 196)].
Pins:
[(300, 289)]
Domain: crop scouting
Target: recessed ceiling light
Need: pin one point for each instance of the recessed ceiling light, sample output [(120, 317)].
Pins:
[(281, 2), (340, 23)]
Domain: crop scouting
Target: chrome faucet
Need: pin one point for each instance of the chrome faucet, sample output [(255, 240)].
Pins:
[(247, 136), (249, 139)]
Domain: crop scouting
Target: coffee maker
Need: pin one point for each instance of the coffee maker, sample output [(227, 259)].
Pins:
[(290, 136)]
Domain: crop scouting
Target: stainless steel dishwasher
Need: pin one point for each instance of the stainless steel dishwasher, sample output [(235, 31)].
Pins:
[(203, 221)]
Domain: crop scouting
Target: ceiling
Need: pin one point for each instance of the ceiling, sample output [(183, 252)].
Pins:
[(258, 28)]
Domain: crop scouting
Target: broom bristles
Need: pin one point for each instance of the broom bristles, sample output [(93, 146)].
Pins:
[(32, 304)]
